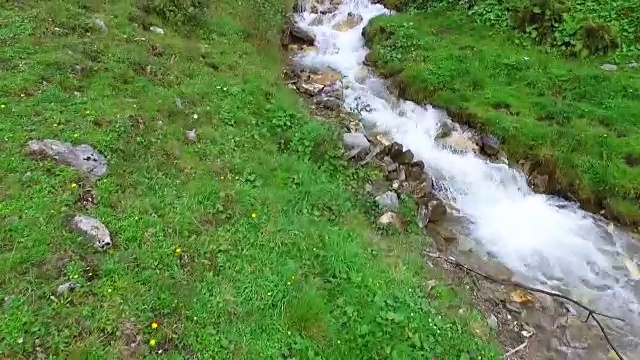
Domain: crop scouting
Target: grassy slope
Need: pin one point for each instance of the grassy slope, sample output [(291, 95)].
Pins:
[(278, 257), (577, 119)]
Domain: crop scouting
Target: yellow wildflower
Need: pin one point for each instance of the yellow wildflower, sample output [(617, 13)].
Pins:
[(74, 185), (152, 342), (154, 325), (2, 106), (178, 250), (254, 215)]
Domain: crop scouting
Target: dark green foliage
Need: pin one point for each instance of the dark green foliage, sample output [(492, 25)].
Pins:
[(577, 28), (188, 14), (596, 39), (539, 19)]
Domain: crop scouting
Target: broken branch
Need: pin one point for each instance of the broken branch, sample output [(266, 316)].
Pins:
[(591, 313)]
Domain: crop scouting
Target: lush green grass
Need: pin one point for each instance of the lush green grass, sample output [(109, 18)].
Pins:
[(253, 242), (578, 28), (576, 120)]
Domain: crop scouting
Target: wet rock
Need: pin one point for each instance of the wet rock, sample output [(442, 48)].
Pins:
[(329, 103), (388, 200), (405, 158), (394, 150), (326, 77), (419, 164), (445, 129), (437, 210), (389, 165), (355, 141), (391, 218), (82, 157), (368, 59), (156, 30), (609, 67), (460, 142), (310, 89), (327, 9), (415, 174), (433, 211), (92, 229), (349, 23), (304, 35), (191, 135), (402, 174), (490, 144), (361, 75), (294, 33), (539, 183), (67, 287), (423, 189), (101, 25)]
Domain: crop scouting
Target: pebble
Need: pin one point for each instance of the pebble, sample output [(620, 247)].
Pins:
[(67, 287), (101, 25), (492, 321), (157, 30), (191, 135)]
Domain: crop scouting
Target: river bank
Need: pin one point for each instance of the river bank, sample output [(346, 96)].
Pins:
[(573, 123), (188, 205), (542, 239)]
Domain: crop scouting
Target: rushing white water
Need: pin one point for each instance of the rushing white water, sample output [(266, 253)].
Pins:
[(544, 240)]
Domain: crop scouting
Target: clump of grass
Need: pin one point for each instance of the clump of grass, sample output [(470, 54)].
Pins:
[(596, 39), (574, 119)]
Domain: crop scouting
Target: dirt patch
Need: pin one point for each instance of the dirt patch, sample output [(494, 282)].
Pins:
[(133, 346)]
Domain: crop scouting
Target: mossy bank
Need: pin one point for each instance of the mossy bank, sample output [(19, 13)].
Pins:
[(574, 121), (238, 231)]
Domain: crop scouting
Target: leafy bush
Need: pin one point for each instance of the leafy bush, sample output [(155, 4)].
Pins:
[(578, 28), (539, 19), (596, 39)]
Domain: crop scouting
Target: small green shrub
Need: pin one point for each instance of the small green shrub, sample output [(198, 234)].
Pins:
[(539, 19), (189, 14), (596, 39)]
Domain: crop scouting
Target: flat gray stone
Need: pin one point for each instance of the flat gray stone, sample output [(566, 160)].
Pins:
[(609, 67), (388, 200), (93, 230), (82, 157), (355, 141)]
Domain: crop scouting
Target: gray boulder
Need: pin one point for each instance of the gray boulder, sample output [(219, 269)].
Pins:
[(93, 230), (82, 157)]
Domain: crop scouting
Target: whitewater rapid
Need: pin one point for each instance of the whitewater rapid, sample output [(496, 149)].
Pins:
[(544, 240)]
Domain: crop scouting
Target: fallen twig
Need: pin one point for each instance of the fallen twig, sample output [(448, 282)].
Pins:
[(522, 346), (591, 313)]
